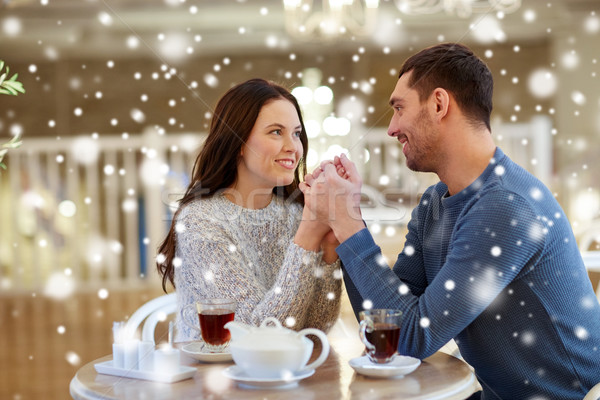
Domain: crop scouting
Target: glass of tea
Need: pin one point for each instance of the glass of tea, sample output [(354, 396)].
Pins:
[(379, 330), (213, 314)]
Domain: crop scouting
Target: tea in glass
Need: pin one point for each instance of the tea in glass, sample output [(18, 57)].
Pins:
[(380, 332)]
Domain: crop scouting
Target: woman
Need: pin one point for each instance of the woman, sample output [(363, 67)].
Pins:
[(240, 230)]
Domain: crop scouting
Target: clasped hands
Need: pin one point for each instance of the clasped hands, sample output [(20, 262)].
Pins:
[(332, 197)]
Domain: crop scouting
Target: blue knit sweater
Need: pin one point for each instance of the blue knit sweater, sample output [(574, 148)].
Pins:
[(497, 268)]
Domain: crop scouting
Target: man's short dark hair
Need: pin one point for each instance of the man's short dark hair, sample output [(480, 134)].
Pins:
[(455, 68)]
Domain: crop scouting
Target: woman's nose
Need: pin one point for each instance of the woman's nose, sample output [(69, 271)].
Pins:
[(289, 144)]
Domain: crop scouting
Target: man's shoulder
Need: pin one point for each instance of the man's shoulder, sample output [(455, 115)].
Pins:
[(510, 181)]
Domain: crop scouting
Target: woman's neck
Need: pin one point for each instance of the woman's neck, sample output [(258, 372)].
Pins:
[(254, 199)]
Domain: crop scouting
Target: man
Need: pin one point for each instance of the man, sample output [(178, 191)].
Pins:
[(489, 259)]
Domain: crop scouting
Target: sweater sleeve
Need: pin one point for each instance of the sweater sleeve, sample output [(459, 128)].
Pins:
[(212, 266), (492, 241), (325, 305)]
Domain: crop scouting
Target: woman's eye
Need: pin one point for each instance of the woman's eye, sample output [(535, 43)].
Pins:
[(297, 133), (277, 131)]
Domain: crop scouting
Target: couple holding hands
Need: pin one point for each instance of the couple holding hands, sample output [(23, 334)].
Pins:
[(489, 260)]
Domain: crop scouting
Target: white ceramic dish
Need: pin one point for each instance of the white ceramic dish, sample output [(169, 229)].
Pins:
[(183, 373), (400, 366), (237, 374), (196, 351)]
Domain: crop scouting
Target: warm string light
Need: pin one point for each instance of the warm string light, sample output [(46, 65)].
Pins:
[(461, 8), (320, 121), (329, 19)]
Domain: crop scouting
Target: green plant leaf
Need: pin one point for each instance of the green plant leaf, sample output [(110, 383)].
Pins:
[(15, 139), (9, 86), (15, 86), (11, 91)]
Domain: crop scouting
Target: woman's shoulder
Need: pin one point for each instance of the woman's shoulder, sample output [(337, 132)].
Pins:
[(201, 209)]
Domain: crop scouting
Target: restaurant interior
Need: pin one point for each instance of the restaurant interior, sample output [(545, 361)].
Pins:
[(118, 99)]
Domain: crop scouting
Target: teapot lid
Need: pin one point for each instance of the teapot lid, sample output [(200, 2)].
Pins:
[(266, 337)]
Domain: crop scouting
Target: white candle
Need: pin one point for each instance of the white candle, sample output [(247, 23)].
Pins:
[(118, 347), (146, 355), (131, 354), (118, 355), (166, 360)]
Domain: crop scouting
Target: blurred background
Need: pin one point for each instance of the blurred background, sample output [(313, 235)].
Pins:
[(119, 95)]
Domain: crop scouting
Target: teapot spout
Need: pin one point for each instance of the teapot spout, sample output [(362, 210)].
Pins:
[(237, 329)]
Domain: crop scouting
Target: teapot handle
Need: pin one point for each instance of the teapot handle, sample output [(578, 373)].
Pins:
[(324, 348), (270, 319)]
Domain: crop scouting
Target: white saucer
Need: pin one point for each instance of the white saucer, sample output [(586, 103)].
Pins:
[(197, 351), (238, 375), (400, 366)]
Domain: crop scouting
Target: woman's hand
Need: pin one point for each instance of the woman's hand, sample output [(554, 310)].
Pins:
[(332, 193)]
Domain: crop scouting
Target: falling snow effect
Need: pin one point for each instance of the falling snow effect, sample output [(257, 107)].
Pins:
[(540, 83)]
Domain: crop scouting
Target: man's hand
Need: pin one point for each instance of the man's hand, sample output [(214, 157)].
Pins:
[(332, 193)]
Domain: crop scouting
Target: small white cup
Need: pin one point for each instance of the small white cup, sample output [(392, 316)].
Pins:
[(131, 354), (166, 360), (146, 355), (118, 355)]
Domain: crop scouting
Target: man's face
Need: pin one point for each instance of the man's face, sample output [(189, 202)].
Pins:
[(412, 125)]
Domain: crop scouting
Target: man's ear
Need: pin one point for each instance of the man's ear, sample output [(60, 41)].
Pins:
[(441, 102)]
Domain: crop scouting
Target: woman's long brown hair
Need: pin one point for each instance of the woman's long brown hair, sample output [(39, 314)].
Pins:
[(215, 167)]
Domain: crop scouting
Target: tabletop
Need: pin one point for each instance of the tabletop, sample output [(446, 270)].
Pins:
[(440, 376)]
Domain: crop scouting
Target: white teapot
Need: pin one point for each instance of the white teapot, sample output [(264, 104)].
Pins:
[(274, 352)]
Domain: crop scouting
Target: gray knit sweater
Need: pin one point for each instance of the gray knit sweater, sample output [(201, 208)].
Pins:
[(230, 251)]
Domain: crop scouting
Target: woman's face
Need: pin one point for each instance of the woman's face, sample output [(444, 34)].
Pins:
[(270, 156)]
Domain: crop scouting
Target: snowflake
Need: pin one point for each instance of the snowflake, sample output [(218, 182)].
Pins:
[(73, 358), (528, 338), (103, 293), (536, 194), (588, 302), (581, 333), (381, 260), (318, 272), (536, 232), (449, 284), (337, 274), (496, 251), (403, 289)]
